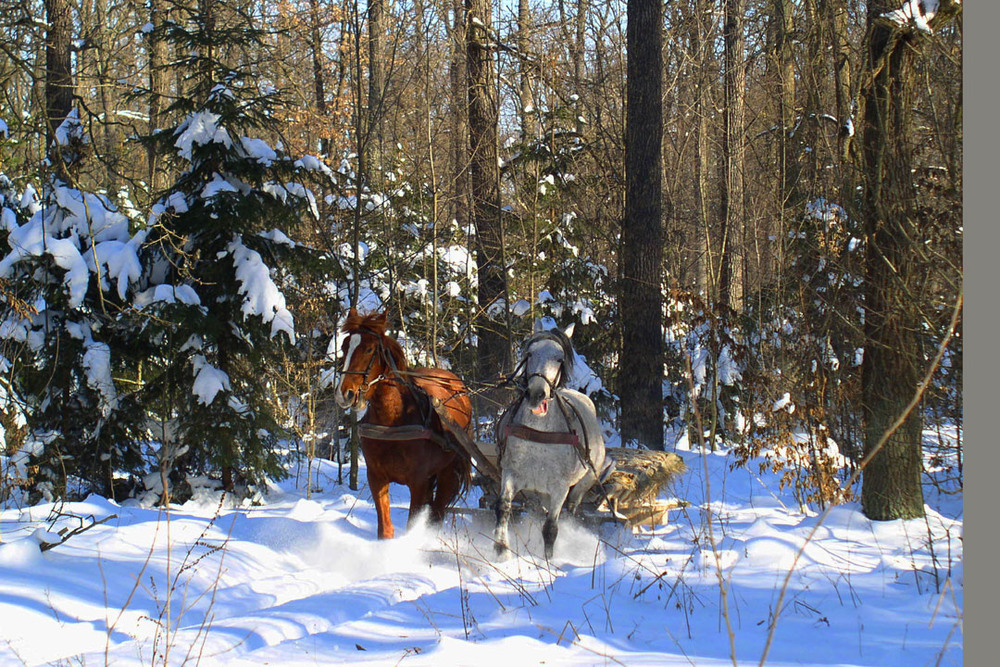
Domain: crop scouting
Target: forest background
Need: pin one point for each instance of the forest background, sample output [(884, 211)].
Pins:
[(194, 193)]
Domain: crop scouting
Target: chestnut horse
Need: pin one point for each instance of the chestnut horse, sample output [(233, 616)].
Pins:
[(377, 377)]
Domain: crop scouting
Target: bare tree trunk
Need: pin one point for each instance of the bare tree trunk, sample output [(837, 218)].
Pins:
[(157, 89), (640, 384), (58, 72), (891, 370), (783, 57), (319, 79), (492, 319), (733, 211), (837, 18), (579, 46), (524, 71), (701, 39), (459, 118), (376, 88)]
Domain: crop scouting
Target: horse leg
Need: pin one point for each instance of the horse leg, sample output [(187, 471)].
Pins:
[(550, 530), (578, 491), (380, 493), (449, 484), (420, 497), (503, 509)]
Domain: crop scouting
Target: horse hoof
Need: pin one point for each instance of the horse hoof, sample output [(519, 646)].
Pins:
[(502, 552)]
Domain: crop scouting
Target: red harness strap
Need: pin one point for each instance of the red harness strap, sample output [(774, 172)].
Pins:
[(541, 437)]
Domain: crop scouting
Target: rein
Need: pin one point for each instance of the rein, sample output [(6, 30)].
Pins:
[(406, 432)]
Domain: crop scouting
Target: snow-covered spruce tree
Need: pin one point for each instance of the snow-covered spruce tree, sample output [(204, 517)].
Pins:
[(72, 258), (214, 314)]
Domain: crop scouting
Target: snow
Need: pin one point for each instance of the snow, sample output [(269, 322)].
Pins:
[(97, 362), (84, 234), (200, 128), (521, 308), (208, 380), (218, 185), (166, 294), (69, 129), (66, 255), (259, 150), (302, 581), (261, 297), (915, 13)]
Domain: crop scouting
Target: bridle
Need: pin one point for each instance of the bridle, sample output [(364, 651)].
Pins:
[(560, 374), (393, 373), (367, 384)]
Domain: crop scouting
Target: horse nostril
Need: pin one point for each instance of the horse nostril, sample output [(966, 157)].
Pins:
[(349, 395)]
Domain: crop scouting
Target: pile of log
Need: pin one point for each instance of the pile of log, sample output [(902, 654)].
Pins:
[(632, 490)]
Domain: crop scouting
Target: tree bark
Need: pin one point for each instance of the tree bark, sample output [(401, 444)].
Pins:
[(491, 320), (640, 384), (783, 57), (891, 486), (837, 18), (733, 212), (156, 50), (376, 89), (577, 56), (524, 69), (319, 79), (58, 72), (459, 118), (701, 35)]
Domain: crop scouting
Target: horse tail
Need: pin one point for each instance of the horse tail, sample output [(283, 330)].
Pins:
[(463, 468)]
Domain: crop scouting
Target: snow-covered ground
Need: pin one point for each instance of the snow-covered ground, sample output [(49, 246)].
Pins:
[(302, 581)]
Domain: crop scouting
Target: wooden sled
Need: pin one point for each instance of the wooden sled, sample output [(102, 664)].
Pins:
[(631, 489)]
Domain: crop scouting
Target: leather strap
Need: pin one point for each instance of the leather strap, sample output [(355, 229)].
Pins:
[(541, 437)]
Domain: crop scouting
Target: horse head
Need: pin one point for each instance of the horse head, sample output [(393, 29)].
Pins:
[(369, 357), (548, 364)]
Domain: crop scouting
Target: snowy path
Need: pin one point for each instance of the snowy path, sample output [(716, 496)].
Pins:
[(303, 582)]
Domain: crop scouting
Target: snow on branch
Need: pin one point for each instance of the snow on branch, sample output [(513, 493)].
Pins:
[(916, 15), (208, 380), (202, 129), (260, 295)]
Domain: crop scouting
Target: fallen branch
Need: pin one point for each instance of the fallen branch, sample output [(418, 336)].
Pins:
[(65, 534)]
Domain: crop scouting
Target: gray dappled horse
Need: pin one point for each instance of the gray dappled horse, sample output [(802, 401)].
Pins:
[(550, 439)]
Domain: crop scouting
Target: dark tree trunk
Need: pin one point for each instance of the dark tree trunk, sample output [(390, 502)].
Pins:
[(577, 51), (891, 485), (837, 19), (640, 384), (524, 69), (783, 57), (733, 214), (376, 89), (58, 71), (460, 118), (491, 320), (701, 36), (157, 89), (891, 371), (319, 79)]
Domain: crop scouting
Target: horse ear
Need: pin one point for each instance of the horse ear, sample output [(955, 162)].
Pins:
[(383, 317), (538, 326), (353, 312), (569, 329)]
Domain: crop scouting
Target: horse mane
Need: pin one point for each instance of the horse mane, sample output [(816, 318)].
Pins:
[(375, 323), (564, 342)]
